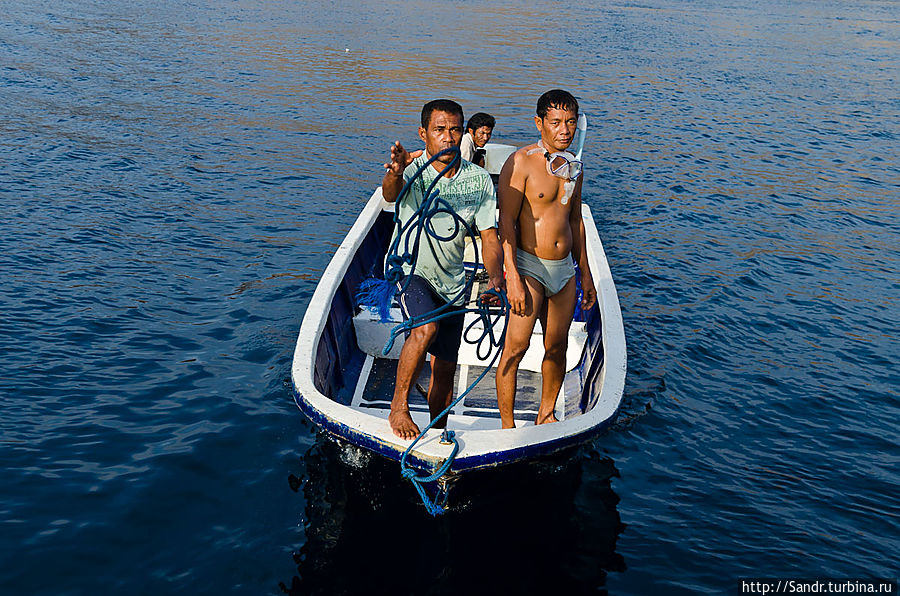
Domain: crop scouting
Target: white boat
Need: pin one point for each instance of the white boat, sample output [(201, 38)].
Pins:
[(344, 383)]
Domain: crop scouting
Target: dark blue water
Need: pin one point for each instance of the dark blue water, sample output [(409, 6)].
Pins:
[(175, 177)]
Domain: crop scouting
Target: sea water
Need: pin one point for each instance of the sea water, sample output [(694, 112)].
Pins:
[(174, 178)]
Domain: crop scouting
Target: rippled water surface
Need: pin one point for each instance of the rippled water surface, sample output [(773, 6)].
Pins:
[(175, 177)]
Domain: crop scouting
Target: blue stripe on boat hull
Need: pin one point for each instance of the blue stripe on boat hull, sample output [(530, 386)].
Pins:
[(461, 463)]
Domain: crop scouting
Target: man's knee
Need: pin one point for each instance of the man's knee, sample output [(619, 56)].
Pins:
[(424, 334), (555, 350), (515, 350)]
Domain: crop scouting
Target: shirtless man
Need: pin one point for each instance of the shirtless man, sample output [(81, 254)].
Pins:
[(540, 231), (439, 276)]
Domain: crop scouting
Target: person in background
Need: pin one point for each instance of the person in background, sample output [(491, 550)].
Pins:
[(478, 133)]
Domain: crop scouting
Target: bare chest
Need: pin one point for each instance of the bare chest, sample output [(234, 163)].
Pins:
[(544, 191)]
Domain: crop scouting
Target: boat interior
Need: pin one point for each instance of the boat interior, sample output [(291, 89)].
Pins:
[(351, 369)]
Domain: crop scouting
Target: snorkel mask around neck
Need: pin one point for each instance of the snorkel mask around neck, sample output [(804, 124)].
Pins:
[(561, 164)]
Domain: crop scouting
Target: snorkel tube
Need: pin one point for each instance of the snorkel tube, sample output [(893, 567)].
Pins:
[(580, 130)]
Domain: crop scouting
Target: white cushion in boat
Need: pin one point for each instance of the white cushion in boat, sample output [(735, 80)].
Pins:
[(535, 354)]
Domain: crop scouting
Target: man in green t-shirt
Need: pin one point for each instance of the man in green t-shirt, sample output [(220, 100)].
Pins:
[(439, 276)]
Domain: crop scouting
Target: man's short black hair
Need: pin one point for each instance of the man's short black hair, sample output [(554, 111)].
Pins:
[(440, 105), (481, 119), (556, 98)]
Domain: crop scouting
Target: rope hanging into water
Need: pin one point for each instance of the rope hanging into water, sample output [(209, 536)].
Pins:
[(378, 294)]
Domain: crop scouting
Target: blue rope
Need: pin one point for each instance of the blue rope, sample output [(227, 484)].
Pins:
[(377, 294), (487, 333), (375, 291)]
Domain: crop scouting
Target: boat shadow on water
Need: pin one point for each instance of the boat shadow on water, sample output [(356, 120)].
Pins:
[(548, 524)]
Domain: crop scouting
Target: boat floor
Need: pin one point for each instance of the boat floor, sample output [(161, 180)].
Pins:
[(478, 411)]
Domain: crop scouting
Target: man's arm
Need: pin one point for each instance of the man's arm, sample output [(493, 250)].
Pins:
[(510, 195), (467, 147), (579, 249), (492, 255), (392, 183)]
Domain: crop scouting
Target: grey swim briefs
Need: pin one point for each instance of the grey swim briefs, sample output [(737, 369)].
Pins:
[(552, 274)]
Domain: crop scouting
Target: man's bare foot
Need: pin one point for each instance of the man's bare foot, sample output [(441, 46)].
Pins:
[(402, 424), (541, 419)]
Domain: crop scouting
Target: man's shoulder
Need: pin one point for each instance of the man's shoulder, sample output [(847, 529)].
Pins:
[(524, 159), (414, 166), (470, 170), (523, 154), (418, 162)]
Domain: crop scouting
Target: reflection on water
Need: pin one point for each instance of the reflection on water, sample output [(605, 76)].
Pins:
[(528, 528)]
